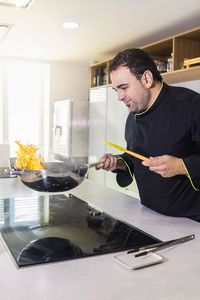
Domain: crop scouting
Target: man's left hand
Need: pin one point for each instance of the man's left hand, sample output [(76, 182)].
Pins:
[(166, 165)]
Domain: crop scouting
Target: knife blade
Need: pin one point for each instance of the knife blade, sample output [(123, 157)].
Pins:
[(128, 151), (167, 244)]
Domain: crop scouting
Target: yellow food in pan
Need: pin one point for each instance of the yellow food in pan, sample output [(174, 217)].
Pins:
[(27, 157)]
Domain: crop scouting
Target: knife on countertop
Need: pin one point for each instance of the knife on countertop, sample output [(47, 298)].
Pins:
[(160, 246)]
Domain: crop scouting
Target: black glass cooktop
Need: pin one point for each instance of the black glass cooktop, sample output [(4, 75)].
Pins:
[(52, 228)]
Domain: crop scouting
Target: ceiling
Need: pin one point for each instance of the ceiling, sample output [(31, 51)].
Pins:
[(106, 26)]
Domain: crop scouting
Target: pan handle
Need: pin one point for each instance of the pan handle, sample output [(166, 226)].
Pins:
[(98, 162), (93, 164), (14, 172)]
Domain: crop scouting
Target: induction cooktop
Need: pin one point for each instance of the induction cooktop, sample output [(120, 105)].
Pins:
[(51, 228)]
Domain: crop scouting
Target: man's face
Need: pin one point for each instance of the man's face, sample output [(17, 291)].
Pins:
[(130, 90)]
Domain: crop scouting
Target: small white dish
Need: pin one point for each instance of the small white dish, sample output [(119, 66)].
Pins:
[(134, 263)]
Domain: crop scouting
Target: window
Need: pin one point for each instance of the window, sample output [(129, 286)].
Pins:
[(25, 99)]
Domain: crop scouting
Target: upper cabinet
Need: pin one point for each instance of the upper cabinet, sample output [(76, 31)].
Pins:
[(177, 58), (99, 73)]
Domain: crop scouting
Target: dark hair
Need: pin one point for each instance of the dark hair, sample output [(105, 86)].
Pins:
[(138, 61)]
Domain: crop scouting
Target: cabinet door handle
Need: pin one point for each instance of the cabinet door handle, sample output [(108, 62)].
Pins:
[(60, 129)]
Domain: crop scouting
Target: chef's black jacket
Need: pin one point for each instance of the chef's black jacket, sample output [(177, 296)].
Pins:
[(170, 126)]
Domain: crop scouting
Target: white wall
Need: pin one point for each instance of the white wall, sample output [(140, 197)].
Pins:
[(67, 81)]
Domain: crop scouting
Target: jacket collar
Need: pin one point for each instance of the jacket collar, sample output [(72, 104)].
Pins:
[(156, 102)]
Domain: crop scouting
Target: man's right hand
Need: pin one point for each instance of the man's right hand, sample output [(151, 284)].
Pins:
[(110, 162)]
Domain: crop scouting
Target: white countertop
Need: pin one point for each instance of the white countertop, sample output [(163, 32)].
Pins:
[(101, 277)]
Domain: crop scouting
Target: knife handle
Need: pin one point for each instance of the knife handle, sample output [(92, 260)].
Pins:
[(142, 253), (137, 155)]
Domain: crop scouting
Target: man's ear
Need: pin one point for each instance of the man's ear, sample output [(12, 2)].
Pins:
[(147, 79)]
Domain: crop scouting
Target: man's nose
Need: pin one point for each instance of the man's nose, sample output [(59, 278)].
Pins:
[(121, 96)]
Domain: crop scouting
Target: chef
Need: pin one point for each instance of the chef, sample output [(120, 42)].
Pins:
[(164, 125)]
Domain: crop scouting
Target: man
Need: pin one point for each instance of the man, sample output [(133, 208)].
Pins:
[(164, 125)]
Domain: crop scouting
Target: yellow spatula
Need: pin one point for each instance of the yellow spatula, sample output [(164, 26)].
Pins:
[(128, 151)]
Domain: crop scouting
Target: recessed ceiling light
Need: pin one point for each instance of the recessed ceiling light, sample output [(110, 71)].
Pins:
[(70, 25), (4, 28), (16, 3)]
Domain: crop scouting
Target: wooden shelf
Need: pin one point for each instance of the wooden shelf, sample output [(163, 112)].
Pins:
[(160, 49), (188, 63), (182, 46), (182, 75), (100, 86)]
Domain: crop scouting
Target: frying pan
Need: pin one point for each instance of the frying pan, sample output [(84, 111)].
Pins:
[(56, 177)]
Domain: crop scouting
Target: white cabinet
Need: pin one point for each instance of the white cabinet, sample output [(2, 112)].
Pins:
[(97, 131), (70, 131), (62, 127), (107, 123), (116, 117)]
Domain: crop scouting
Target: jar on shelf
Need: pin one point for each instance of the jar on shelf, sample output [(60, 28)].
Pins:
[(161, 65), (105, 76), (102, 75), (96, 80), (170, 63)]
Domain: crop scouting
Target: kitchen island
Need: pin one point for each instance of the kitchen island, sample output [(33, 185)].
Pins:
[(101, 277)]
